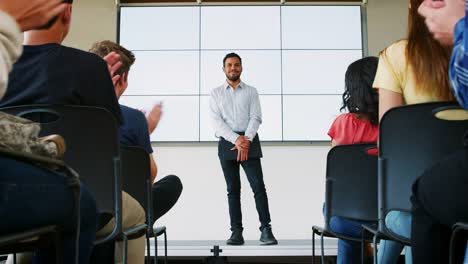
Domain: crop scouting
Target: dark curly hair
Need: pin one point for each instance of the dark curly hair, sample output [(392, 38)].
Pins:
[(359, 97)]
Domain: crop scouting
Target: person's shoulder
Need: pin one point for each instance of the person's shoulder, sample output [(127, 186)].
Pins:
[(217, 90), (396, 49), (131, 113), (249, 87), (89, 60), (344, 118), (393, 59)]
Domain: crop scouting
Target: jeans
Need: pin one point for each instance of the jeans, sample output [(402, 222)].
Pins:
[(253, 170), (465, 261), (31, 197), (348, 251), (399, 223)]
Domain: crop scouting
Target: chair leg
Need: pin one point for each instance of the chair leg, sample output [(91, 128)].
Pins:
[(58, 248), (148, 250), (362, 246), (14, 258), (322, 249), (375, 248), (155, 249), (313, 246), (165, 247), (125, 246)]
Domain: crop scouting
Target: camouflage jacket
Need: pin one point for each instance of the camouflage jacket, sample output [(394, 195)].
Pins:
[(22, 135)]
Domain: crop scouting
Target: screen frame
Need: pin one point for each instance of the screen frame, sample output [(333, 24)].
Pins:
[(364, 43)]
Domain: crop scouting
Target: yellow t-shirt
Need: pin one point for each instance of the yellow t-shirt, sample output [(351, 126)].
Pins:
[(394, 74)]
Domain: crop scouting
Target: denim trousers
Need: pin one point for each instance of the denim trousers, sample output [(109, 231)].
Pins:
[(253, 170), (389, 251), (31, 197), (349, 252)]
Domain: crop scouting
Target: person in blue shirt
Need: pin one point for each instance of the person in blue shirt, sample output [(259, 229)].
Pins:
[(439, 195), (137, 129)]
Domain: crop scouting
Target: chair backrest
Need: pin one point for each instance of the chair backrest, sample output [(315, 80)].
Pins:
[(92, 148), (411, 139), (136, 176), (351, 183), (459, 244)]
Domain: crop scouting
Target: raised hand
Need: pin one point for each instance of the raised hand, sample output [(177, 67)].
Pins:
[(113, 64), (32, 14), (154, 116), (441, 17)]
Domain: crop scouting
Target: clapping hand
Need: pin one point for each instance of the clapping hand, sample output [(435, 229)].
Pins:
[(32, 14), (113, 64), (153, 116), (441, 17)]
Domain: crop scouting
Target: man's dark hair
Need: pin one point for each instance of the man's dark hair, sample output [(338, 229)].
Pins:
[(359, 96), (105, 47), (231, 55)]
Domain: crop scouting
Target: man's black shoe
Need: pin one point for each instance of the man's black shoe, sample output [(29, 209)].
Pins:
[(267, 237), (236, 238)]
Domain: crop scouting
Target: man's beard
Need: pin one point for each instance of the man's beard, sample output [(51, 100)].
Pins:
[(234, 78)]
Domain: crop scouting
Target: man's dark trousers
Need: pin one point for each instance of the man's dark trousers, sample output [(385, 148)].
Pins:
[(253, 169)]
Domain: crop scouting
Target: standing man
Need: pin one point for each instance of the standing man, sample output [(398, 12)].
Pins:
[(236, 113)]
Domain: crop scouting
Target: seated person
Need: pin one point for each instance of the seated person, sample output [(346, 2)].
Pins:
[(410, 71), (439, 195), (136, 130), (360, 125), (28, 191), (50, 73)]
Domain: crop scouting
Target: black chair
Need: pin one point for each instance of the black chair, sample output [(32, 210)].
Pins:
[(46, 236), (459, 243), (136, 176), (411, 139), (92, 149), (351, 189)]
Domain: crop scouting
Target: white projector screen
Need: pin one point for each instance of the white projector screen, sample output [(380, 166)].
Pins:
[(295, 56)]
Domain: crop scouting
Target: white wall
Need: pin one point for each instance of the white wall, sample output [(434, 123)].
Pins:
[(387, 21), (294, 173), (294, 177)]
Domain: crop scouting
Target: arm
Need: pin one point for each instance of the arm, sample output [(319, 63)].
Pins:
[(334, 143), (458, 71), (255, 116), (441, 17), (153, 117), (388, 100), (10, 48), (32, 14), (113, 64)]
